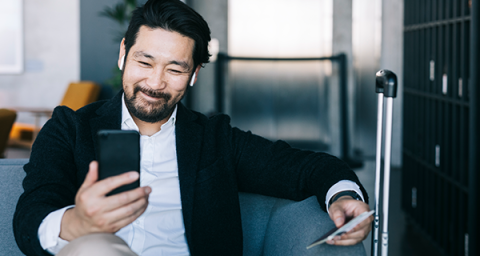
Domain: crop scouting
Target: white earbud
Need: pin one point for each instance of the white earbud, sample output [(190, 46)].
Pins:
[(193, 79), (121, 63)]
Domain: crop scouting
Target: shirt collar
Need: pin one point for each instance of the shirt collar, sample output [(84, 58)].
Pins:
[(128, 123)]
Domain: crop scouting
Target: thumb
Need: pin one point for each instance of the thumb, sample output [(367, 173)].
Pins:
[(338, 216), (92, 175)]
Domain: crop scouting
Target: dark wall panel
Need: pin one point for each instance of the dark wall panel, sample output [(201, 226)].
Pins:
[(98, 49), (438, 111)]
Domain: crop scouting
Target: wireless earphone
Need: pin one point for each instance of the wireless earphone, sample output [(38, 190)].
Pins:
[(121, 63), (193, 78)]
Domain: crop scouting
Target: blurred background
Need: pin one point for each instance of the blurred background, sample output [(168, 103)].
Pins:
[(297, 70)]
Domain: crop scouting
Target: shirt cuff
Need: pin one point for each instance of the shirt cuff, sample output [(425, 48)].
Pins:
[(49, 231), (343, 185)]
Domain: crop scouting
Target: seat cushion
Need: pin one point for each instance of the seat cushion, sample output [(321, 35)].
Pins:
[(295, 225)]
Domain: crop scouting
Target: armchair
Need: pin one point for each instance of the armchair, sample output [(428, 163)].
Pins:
[(77, 95), (7, 118)]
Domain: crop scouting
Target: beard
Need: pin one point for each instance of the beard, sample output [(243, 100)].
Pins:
[(147, 111)]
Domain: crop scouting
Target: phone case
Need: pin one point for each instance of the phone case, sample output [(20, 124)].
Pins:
[(118, 152)]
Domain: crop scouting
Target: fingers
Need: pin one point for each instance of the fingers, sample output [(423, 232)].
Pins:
[(92, 200), (346, 207), (105, 186), (127, 215), (364, 225), (338, 216), (349, 208), (356, 235), (126, 198), (107, 214), (92, 175), (340, 240), (338, 211), (95, 212), (114, 220)]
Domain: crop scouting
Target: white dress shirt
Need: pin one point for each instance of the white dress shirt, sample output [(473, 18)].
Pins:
[(160, 229)]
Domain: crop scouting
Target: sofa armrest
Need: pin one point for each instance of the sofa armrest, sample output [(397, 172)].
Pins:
[(11, 177), (256, 211), (277, 227)]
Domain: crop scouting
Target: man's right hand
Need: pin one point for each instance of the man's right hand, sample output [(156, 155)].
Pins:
[(94, 212)]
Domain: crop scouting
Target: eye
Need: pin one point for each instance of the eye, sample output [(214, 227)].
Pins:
[(144, 64), (175, 71)]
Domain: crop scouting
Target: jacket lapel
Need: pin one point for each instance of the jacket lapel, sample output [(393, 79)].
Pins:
[(109, 117), (189, 136)]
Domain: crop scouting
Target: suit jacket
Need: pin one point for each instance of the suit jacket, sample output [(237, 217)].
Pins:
[(215, 162)]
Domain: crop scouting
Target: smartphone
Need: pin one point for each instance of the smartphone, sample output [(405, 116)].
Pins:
[(118, 152)]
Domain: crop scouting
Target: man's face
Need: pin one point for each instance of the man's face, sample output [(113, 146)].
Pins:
[(157, 72)]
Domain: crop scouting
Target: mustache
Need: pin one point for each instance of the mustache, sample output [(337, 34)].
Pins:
[(152, 93)]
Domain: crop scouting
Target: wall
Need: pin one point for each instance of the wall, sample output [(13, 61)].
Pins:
[(215, 12), (392, 59), (377, 44), (376, 39), (52, 56), (366, 56), (270, 28), (99, 47), (342, 43)]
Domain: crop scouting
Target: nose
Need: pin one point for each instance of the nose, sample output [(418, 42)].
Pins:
[(155, 80)]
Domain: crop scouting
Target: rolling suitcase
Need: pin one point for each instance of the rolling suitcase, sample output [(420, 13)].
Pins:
[(385, 87)]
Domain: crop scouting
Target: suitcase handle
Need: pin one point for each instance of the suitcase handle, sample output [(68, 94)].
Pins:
[(385, 87), (386, 83)]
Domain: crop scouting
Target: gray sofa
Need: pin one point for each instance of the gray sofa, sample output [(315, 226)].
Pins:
[(271, 226)]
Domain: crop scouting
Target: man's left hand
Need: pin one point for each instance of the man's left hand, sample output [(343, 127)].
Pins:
[(348, 208)]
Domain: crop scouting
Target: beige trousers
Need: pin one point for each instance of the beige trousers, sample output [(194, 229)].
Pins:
[(101, 244)]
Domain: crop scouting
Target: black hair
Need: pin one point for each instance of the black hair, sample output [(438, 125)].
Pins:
[(175, 16)]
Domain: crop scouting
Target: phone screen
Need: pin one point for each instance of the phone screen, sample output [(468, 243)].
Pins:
[(118, 152)]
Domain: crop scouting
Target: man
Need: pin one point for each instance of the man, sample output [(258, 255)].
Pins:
[(192, 167)]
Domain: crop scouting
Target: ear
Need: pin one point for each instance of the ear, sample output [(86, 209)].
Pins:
[(121, 55), (195, 75)]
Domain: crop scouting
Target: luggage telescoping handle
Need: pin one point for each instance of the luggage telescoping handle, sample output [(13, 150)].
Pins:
[(386, 87)]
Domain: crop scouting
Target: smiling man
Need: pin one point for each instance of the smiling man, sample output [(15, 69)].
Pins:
[(192, 167), (157, 69)]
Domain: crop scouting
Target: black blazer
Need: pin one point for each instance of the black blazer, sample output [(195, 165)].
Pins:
[(215, 162)]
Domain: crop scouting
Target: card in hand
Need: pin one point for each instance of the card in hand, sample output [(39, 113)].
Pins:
[(344, 229)]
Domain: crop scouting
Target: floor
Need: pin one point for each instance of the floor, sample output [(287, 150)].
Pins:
[(398, 241)]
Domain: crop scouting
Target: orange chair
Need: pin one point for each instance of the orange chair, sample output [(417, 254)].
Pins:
[(77, 95), (7, 118), (80, 94)]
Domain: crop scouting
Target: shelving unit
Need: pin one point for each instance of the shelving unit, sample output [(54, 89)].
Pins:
[(441, 119)]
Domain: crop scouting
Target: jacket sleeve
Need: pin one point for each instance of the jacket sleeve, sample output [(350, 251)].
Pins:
[(276, 169), (50, 183)]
